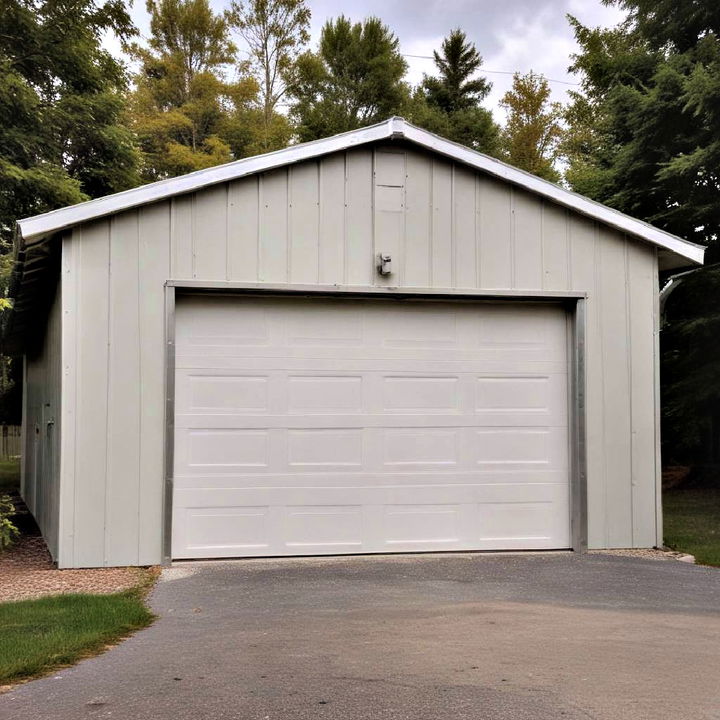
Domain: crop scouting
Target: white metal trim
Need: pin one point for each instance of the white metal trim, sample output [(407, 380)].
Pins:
[(381, 290), (34, 228)]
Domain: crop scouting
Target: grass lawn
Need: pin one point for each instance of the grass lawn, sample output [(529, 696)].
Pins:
[(692, 522), (37, 636), (9, 475)]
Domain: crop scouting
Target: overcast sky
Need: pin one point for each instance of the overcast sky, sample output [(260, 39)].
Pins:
[(511, 35)]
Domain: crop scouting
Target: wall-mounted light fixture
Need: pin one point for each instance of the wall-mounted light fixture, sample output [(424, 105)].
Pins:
[(384, 264)]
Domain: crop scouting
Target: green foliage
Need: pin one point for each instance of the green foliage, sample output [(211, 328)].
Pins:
[(532, 134), (8, 531), (354, 79), (645, 130), (455, 89), (690, 522), (275, 32), (9, 475), (644, 137), (62, 134), (182, 100), (37, 636), (690, 353), (449, 104)]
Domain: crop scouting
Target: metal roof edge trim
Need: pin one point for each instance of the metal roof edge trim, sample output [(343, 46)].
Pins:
[(34, 228)]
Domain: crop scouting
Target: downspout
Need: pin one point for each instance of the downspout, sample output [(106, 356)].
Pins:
[(672, 283)]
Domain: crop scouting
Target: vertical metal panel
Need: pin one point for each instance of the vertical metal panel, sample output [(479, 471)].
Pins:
[(418, 221), (464, 230), (441, 256), (527, 241), (24, 427), (332, 220), (210, 233), (613, 283), (495, 234), (154, 245), (124, 403), (92, 394), (585, 270), (555, 247), (40, 465), (70, 266), (389, 216), (641, 330), (578, 444), (304, 223), (169, 425), (248, 231), (182, 226), (243, 229), (659, 537), (273, 251), (360, 265)]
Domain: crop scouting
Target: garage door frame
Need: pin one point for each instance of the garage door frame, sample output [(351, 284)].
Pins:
[(573, 302)]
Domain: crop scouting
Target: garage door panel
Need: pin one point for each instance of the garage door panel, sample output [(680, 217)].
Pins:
[(341, 479), (432, 522), (351, 426), (188, 421), (488, 358), (371, 449)]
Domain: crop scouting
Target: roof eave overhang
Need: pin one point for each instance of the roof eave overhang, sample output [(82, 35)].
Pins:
[(675, 252)]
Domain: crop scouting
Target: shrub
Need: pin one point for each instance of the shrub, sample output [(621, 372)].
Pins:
[(8, 531)]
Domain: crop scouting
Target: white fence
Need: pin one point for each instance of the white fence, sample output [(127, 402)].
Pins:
[(10, 442)]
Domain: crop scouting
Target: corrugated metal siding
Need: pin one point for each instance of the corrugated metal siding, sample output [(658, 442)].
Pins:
[(41, 409), (323, 222)]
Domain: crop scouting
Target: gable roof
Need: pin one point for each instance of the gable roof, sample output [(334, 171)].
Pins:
[(681, 252)]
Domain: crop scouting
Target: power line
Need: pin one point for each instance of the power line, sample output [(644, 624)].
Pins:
[(494, 72)]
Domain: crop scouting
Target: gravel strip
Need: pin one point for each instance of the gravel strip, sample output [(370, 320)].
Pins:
[(645, 553), (27, 572)]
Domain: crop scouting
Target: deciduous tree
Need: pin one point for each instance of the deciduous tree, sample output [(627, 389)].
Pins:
[(184, 106), (63, 135), (275, 32), (533, 130)]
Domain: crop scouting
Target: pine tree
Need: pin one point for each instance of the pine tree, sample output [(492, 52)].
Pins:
[(644, 137), (449, 104), (354, 79)]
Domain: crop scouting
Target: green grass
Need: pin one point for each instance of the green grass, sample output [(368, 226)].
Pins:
[(692, 522), (9, 475), (37, 636)]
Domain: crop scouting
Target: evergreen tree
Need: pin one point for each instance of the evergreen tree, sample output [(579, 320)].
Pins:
[(449, 104), (455, 88), (645, 138), (354, 79)]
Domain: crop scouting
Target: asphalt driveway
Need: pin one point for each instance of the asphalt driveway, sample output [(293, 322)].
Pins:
[(422, 637)]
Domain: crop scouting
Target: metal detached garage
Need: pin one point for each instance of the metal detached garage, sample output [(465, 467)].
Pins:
[(377, 342)]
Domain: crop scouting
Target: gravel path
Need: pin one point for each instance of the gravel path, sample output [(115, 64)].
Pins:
[(27, 571)]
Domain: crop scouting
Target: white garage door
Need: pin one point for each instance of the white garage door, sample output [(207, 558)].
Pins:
[(310, 426)]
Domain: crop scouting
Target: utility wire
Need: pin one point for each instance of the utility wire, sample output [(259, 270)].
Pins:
[(493, 72)]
